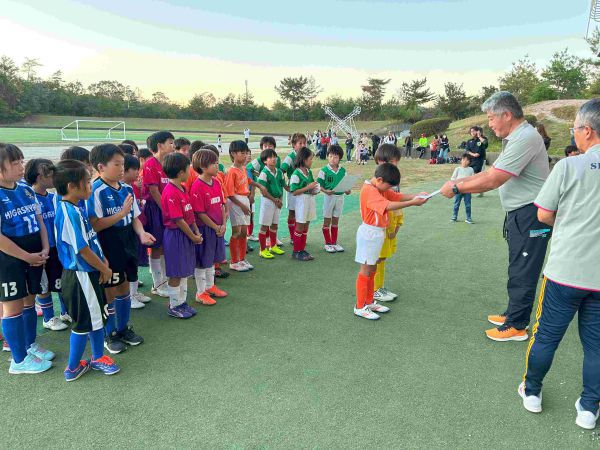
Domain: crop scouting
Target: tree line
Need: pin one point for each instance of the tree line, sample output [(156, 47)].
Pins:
[(23, 92)]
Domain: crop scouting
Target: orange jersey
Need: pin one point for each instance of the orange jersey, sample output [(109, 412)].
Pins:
[(236, 182), (373, 204), (191, 178)]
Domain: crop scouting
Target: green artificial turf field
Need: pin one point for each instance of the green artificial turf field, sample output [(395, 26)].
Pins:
[(283, 363)]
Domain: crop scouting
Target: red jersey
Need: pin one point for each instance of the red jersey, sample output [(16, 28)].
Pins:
[(175, 205), (153, 175), (208, 199)]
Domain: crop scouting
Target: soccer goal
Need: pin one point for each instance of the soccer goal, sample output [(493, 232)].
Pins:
[(93, 130)]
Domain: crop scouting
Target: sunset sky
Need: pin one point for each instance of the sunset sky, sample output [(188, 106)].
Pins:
[(183, 47)]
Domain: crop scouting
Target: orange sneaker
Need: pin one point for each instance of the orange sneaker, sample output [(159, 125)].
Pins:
[(498, 319), (503, 334), (216, 292), (205, 299)]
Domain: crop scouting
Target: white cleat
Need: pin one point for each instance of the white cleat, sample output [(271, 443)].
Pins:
[(366, 313), (329, 248), (382, 296), (142, 298), (54, 324), (376, 307), (136, 304), (161, 292), (338, 248)]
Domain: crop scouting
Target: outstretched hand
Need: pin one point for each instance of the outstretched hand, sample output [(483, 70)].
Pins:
[(446, 190)]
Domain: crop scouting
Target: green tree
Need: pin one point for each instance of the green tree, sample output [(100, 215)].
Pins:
[(565, 73), (541, 92), (296, 92), (372, 95), (415, 93), (521, 79), (454, 103), (30, 67)]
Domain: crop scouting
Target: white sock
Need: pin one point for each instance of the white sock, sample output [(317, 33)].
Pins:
[(133, 287), (183, 291), (173, 295), (163, 269), (200, 276), (155, 270), (210, 277)]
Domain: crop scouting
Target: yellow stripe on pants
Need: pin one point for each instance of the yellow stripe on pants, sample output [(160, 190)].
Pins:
[(538, 314)]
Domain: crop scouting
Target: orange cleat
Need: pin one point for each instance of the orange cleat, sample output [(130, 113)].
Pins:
[(498, 319), (216, 292), (503, 334), (205, 299)]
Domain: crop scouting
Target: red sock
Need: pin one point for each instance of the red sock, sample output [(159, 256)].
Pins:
[(262, 239), (243, 247), (273, 237), (371, 288), (251, 226), (334, 234), (233, 250), (327, 236), (297, 237), (291, 226), (362, 282)]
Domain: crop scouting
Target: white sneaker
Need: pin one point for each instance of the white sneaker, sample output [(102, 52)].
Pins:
[(366, 313), (247, 264), (54, 324), (252, 238), (329, 248), (531, 403), (238, 267), (338, 247), (381, 296), (388, 293), (279, 243), (161, 292), (136, 304), (66, 318), (585, 419), (376, 307), (142, 298)]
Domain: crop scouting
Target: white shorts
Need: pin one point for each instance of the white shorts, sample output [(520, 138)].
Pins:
[(236, 216), (333, 205), (369, 240), (290, 201), (269, 213), (306, 209)]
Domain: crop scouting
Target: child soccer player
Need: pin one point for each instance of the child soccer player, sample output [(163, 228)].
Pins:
[(154, 182), (182, 145), (208, 205), (304, 188), (462, 172), (376, 199), (38, 174), (194, 147), (333, 204), (24, 250), (219, 144), (85, 269), (271, 177), (298, 140), (236, 191), (181, 235), (113, 212), (252, 187)]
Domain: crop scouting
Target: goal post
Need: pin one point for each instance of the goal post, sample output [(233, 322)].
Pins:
[(93, 130)]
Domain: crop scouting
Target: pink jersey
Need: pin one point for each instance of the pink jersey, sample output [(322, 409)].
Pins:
[(208, 198), (153, 175), (175, 205)]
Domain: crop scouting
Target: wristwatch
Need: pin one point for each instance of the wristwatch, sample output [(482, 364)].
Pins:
[(455, 189)]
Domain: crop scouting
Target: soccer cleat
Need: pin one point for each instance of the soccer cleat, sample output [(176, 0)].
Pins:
[(105, 364), (387, 292), (160, 291), (531, 403), (266, 254), (338, 248), (276, 250), (179, 312), (329, 248), (141, 297), (5, 347), (252, 238), (136, 304), (295, 255), (238, 267), (381, 296), (247, 264), (220, 273), (129, 337), (205, 299), (366, 313), (376, 307), (114, 344), (38, 351), (216, 292), (189, 309), (249, 248), (504, 334), (303, 256), (498, 319), (453, 219), (66, 318), (585, 419), (279, 243), (31, 364), (72, 375), (38, 310), (469, 221), (54, 324)]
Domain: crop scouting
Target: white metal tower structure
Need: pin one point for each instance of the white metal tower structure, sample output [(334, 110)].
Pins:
[(594, 15), (346, 124)]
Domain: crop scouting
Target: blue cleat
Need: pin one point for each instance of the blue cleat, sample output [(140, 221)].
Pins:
[(83, 367), (105, 364)]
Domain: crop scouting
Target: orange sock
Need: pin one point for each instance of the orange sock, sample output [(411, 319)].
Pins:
[(371, 288), (243, 247), (233, 250), (362, 286)]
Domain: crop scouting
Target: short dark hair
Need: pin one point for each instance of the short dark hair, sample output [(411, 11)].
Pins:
[(466, 155), (296, 137), (570, 149), (144, 153), (160, 137), (103, 153), (36, 167), (268, 140), (212, 148), (387, 153), (303, 154), (237, 147), (132, 143), (127, 149), (181, 142), (336, 150), (389, 173), (68, 171), (194, 147), (202, 159), (10, 153), (76, 153), (131, 162), (267, 153), (174, 164)]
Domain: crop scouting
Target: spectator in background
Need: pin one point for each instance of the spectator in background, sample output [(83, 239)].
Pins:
[(247, 134), (476, 148), (334, 139), (349, 147), (375, 140), (444, 147), (542, 130), (434, 147), (423, 144), (389, 138), (571, 150), (408, 144), (325, 140)]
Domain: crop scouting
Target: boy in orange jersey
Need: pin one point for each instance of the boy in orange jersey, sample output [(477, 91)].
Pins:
[(376, 199)]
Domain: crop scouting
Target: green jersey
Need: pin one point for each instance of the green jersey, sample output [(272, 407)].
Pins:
[(298, 180), (329, 179), (256, 166), (288, 164), (274, 182), (221, 168)]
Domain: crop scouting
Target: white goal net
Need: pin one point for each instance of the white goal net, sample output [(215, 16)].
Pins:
[(93, 130)]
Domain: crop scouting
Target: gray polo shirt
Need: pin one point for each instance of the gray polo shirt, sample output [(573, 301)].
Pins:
[(524, 157), (573, 191)]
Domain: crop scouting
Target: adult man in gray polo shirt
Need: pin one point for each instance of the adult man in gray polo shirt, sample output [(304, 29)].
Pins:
[(519, 172), (570, 201)]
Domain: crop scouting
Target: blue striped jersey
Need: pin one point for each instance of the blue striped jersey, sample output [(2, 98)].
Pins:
[(107, 201), (48, 211), (81, 204), (18, 211), (73, 233)]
